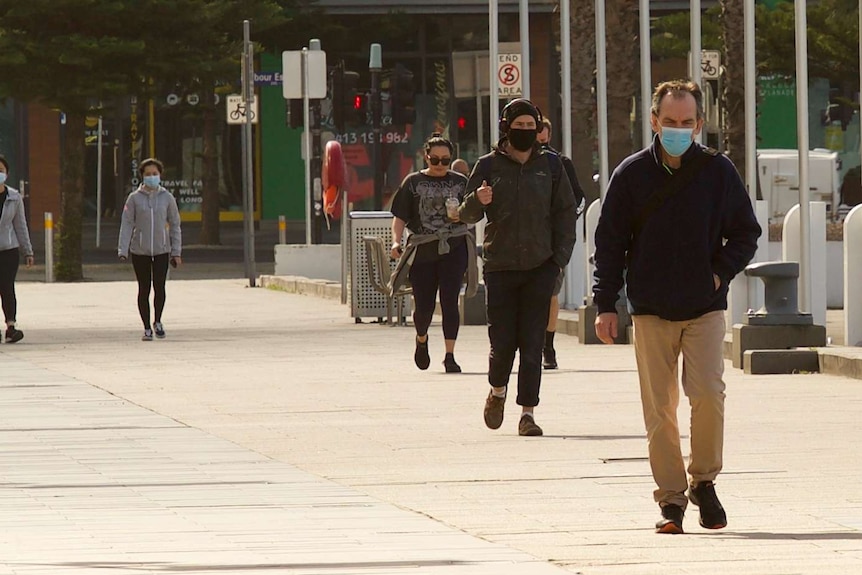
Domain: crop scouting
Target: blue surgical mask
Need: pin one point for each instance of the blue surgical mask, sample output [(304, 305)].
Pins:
[(3, 177), (152, 181), (676, 141)]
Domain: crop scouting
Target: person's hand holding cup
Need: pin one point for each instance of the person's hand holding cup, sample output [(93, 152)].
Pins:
[(452, 204)]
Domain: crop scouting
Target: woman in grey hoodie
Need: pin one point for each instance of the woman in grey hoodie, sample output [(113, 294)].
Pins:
[(150, 231), (14, 238)]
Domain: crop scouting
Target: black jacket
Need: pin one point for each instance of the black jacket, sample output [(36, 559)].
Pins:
[(531, 218), (669, 265)]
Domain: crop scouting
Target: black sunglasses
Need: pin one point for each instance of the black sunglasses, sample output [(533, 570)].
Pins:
[(434, 160)]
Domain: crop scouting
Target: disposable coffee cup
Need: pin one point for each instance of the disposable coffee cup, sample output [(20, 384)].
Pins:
[(452, 208)]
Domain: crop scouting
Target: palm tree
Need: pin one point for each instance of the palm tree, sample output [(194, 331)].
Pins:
[(583, 44), (732, 20), (623, 57)]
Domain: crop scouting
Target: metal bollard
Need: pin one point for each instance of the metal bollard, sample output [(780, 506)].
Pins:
[(49, 247), (282, 230)]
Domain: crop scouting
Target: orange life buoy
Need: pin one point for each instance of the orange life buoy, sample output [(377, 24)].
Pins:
[(333, 166)]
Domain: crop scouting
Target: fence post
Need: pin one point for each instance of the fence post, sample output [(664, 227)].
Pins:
[(49, 247)]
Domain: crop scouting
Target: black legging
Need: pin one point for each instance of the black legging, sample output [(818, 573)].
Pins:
[(151, 270), (8, 272), (447, 274)]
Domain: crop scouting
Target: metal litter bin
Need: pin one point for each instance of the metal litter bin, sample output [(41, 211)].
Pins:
[(365, 301)]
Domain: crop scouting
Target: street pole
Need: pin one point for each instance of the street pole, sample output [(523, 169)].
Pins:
[(802, 133), (524, 21), (306, 122), (493, 63), (602, 95), (696, 71), (99, 183), (316, 164), (247, 164), (375, 65), (646, 75), (566, 65)]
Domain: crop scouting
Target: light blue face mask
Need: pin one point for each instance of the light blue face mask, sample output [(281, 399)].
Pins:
[(3, 177), (152, 181), (676, 141)]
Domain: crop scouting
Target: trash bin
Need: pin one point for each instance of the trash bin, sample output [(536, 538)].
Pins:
[(365, 301)]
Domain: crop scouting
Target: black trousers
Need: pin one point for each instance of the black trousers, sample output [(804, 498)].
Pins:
[(8, 271), (518, 304), (447, 275), (151, 270)]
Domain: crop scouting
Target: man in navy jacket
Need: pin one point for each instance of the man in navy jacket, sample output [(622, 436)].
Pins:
[(678, 260)]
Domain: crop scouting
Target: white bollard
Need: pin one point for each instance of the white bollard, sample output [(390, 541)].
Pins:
[(791, 250), (49, 247), (747, 293), (592, 214), (853, 277), (576, 283)]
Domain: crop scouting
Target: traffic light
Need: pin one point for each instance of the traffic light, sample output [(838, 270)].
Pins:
[(403, 95), (347, 102)]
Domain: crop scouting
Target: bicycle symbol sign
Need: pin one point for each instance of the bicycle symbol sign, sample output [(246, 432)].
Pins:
[(509, 75), (236, 112), (710, 64)]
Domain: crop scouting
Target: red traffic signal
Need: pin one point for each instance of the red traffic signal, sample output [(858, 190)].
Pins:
[(462, 123), (357, 102)]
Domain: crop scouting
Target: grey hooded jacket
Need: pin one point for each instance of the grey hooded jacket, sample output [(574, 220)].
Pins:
[(13, 224), (150, 225)]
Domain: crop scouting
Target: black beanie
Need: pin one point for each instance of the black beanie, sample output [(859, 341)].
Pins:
[(521, 107)]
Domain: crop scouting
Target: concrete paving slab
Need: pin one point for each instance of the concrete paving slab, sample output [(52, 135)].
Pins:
[(268, 422)]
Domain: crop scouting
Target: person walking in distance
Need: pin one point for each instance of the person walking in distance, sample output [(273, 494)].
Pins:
[(549, 354), (150, 232), (529, 236), (677, 220), (14, 239), (426, 204), (461, 166)]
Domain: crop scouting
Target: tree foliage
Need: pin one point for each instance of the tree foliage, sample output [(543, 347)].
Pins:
[(72, 55)]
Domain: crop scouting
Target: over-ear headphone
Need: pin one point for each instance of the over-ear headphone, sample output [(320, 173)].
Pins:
[(504, 123)]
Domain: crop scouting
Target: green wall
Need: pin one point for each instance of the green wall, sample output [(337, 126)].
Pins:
[(282, 169)]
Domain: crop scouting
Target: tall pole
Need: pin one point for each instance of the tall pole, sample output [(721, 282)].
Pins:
[(524, 21), (99, 183), (602, 95), (315, 163), (860, 68), (480, 129), (696, 71), (306, 122), (566, 65), (646, 74), (375, 65), (493, 62), (248, 164), (750, 103), (802, 133)]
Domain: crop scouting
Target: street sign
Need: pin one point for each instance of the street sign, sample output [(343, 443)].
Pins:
[(509, 75), (291, 63), (710, 64), (236, 112)]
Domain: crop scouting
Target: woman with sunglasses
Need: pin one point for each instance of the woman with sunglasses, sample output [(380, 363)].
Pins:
[(426, 204)]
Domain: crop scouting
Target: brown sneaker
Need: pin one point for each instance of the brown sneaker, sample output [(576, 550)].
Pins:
[(527, 426), (494, 410)]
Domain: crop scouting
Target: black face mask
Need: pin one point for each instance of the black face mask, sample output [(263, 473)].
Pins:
[(522, 140)]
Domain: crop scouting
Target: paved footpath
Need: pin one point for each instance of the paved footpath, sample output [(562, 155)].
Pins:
[(271, 434)]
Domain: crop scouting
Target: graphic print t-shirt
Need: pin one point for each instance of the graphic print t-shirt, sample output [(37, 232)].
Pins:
[(421, 202)]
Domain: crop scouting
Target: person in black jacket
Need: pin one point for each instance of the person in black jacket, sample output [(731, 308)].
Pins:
[(678, 261), (529, 237), (549, 354)]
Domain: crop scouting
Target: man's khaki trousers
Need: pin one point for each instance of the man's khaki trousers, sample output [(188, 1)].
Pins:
[(658, 344)]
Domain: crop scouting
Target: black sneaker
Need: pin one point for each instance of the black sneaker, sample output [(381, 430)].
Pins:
[(450, 364), (550, 358), (671, 520), (159, 329), (712, 515), (148, 335), (13, 335), (420, 356)]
